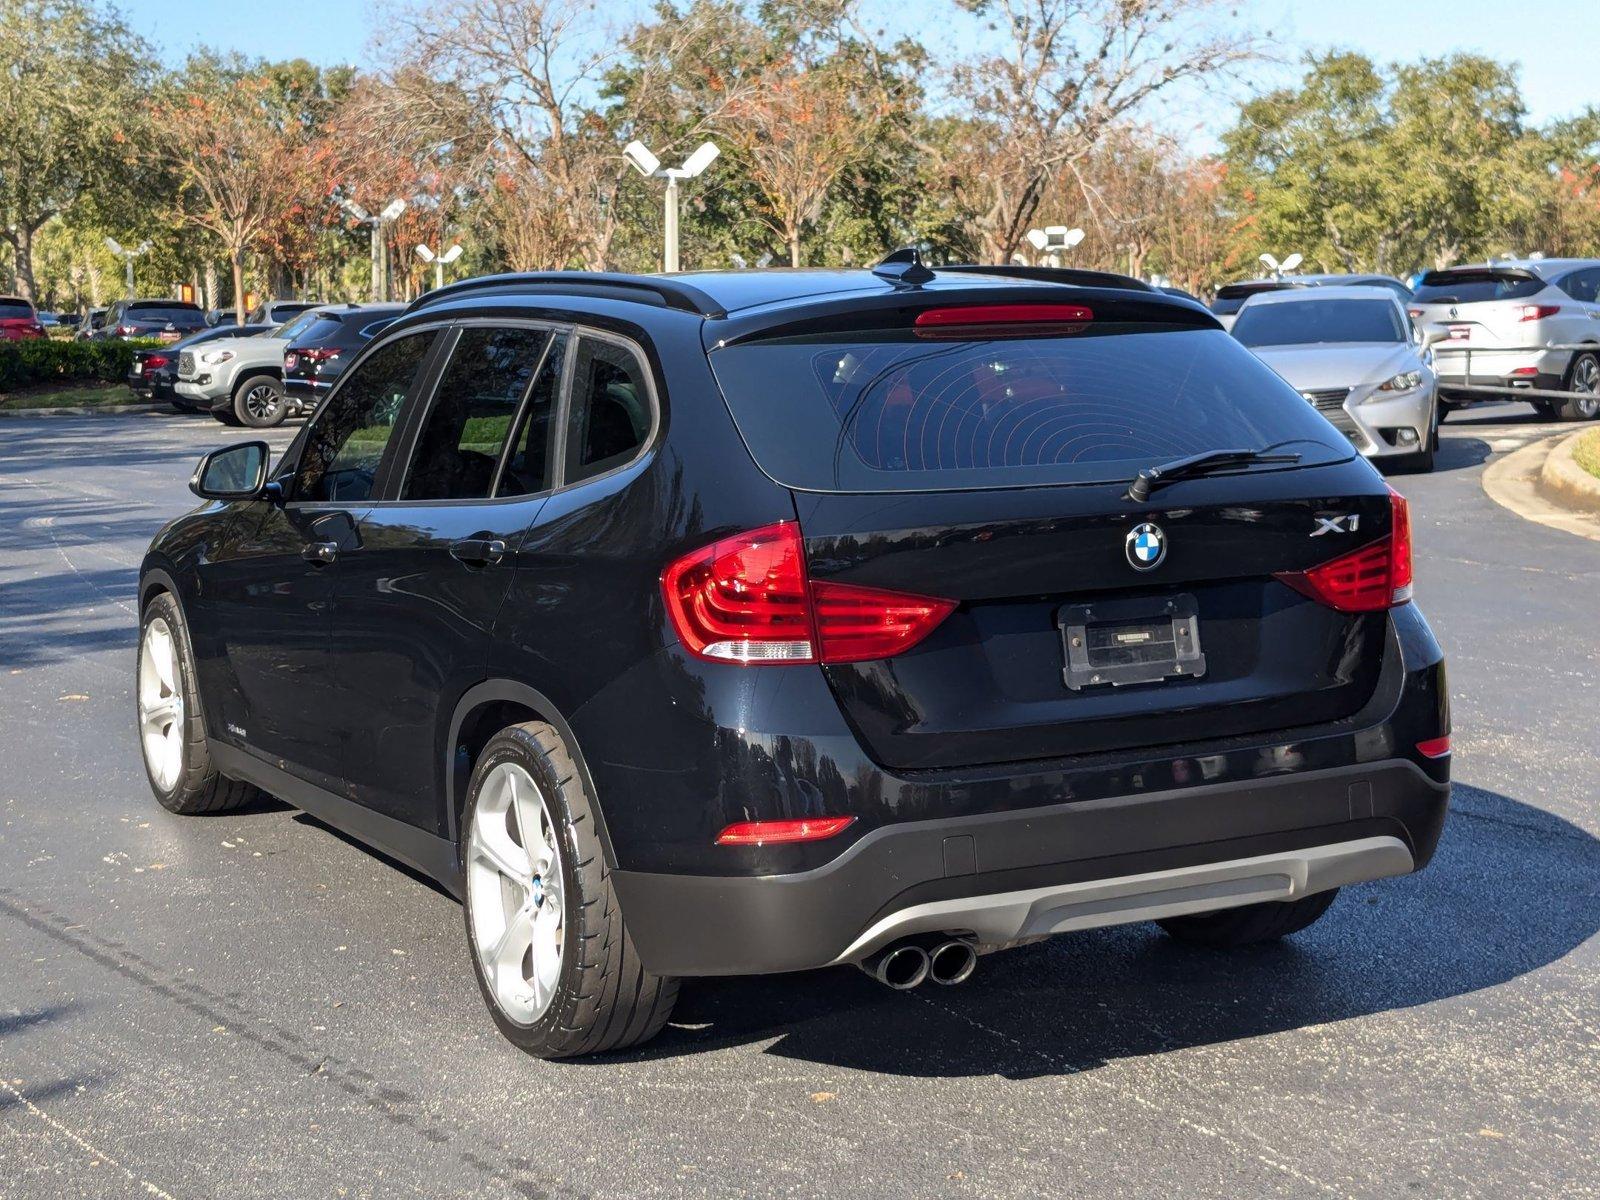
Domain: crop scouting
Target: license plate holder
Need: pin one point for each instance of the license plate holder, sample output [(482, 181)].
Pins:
[(1115, 643)]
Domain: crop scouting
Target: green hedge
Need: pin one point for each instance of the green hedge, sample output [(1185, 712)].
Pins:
[(42, 360)]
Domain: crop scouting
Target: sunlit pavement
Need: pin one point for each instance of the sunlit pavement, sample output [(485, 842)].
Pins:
[(252, 1005)]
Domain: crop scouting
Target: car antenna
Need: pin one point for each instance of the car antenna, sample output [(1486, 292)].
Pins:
[(904, 268)]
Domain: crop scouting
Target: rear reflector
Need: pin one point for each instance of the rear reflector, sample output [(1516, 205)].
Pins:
[(1373, 578), (1438, 747), (768, 833), (934, 320), (749, 599)]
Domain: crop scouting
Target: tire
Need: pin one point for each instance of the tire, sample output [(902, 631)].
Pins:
[(258, 402), (176, 761), (593, 995), (1582, 376), (1251, 923)]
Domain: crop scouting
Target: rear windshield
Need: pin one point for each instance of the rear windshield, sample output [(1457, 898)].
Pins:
[(1468, 287), (11, 310), (146, 312), (888, 411), (322, 328), (1310, 322)]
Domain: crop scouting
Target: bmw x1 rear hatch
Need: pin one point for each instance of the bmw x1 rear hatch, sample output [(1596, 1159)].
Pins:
[(981, 457)]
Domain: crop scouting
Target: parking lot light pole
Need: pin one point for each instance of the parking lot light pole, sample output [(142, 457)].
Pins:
[(1050, 241), (648, 165), (127, 256), (1280, 269), (426, 254), (380, 257)]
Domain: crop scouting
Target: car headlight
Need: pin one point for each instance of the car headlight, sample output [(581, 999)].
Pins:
[(216, 356), (1402, 382)]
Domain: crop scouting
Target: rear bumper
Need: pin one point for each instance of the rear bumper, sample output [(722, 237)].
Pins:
[(1075, 865), (1498, 368)]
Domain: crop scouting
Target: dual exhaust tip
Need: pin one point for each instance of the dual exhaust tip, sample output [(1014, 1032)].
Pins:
[(912, 962)]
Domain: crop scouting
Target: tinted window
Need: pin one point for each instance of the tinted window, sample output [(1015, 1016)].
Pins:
[(528, 469), (1469, 287), (319, 329), (290, 330), (182, 314), (12, 310), (1305, 322), (610, 416), (345, 445), (889, 411), (473, 408), (1582, 285)]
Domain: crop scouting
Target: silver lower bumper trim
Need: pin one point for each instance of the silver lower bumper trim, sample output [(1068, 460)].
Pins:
[(1008, 916)]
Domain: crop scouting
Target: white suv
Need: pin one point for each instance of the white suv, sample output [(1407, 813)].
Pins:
[(1499, 320)]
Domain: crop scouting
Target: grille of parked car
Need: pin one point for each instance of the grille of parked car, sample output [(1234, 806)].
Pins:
[(186, 363), (1330, 403)]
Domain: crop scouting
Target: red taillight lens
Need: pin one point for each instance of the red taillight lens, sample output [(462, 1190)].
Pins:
[(156, 361), (767, 833), (317, 354), (1537, 312), (1370, 579), (748, 599), (127, 330), (1438, 747)]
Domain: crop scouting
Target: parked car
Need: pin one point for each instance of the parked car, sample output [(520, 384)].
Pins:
[(241, 381), (153, 373), (165, 320), (276, 312), (1496, 316), (318, 355), (19, 321), (760, 621), (1230, 297), (1354, 354), (90, 324)]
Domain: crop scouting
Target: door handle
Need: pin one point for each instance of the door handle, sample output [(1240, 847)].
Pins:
[(320, 554), (478, 552)]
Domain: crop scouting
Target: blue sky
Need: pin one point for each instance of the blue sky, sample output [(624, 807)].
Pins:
[(1557, 43)]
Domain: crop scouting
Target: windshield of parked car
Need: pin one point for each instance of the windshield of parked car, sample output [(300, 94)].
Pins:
[(1471, 287), (887, 410), (1313, 322)]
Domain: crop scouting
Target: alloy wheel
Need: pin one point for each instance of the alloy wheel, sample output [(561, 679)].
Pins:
[(1586, 378), (160, 704), (515, 893), (262, 402)]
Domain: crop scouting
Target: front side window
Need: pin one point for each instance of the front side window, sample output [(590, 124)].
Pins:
[(611, 415), (346, 444), (474, 406)]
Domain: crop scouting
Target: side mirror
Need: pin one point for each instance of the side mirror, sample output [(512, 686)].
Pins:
[(232, 473)]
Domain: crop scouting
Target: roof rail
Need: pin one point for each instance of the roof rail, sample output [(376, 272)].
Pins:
[(671, 292), (1070, 276)]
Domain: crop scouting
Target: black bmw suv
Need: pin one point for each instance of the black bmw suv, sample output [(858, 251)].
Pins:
[(319, 353), (712, 624)]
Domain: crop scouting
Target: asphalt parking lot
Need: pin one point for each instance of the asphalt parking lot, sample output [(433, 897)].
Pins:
[(253, 1005)]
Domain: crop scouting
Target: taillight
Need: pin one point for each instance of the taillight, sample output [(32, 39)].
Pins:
[(318, 354), (1537, 312), (750, 599), (1438, 747), (155, 361), (127, 330), (767, 833), (1370, 579), (996, 319)]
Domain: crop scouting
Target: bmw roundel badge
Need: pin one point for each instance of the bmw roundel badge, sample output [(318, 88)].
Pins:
[(1146, 546)]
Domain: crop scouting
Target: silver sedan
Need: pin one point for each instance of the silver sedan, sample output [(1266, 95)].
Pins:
[(1354, 354)]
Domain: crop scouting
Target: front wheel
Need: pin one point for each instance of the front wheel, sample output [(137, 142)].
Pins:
[(551, 953), (171, 728), (258, 402), (1584, 378), (1250, 923)]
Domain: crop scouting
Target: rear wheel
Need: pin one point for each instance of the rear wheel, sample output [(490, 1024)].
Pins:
[(549, 948), (258, 402), (171, 728), (1583, 377), (1251, 923)]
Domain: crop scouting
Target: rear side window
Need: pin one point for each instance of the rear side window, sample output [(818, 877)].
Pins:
[(527, 470), (1583, 285), (888, 411), (611, 414), (469, 423), (1471, 287), (1313, 322)]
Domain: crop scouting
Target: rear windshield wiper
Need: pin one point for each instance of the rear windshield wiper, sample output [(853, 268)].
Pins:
[(1196, 465)]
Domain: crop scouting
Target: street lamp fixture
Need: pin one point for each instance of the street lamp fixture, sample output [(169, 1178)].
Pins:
[(648, 165), (380, 250), (127, 256), (1052, 240), (1280, 269), (439, 261)]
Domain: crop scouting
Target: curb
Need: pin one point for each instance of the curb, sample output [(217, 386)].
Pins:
[(1513, 482), (84, 410), (1562, 481)]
